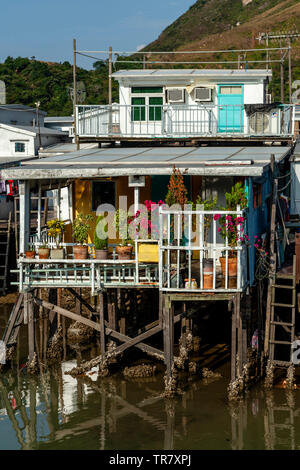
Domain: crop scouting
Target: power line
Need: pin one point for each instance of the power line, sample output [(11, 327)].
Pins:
[(186, 52), (116, 61)]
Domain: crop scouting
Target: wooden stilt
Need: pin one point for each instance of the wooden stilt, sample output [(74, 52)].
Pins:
[(239, 332), (102, 325), (233, 340), (28, 300), (168, 336), (52, 314)]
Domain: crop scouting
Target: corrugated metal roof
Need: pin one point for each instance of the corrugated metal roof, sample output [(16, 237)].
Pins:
[(193, 73), (152, 160)]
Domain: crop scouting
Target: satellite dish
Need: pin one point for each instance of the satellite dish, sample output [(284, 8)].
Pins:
[(2, 92), (81, 93)]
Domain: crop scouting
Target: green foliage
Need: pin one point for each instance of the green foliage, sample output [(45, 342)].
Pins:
[(237, 197), (29, 80), (81, 227), (100, 243)]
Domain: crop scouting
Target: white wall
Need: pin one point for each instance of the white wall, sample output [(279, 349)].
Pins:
[(7, 143)]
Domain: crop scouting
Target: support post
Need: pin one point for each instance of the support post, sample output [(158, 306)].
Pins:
[(102, 325), (24, 190), (168, 336), (28, 300), (39, 211), (233, 340), (75, 95)]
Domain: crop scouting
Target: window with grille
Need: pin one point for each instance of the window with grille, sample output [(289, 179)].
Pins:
[(19, 147)]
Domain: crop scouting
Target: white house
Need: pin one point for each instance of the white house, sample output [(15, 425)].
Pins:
[(180, 103), (24, 141)]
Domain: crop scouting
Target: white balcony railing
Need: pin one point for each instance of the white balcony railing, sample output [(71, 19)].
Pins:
[(183, 254), (175, 121)]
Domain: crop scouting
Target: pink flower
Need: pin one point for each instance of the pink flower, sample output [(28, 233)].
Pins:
[(217, 216)]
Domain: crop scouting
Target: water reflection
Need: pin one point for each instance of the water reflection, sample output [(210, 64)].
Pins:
[(56, 411)]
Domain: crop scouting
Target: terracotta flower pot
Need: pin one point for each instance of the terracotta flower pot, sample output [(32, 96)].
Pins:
[(124, 252), (80, 252), (30, 254), (101, 254), (44, 253), (208, 273), (232, 266)]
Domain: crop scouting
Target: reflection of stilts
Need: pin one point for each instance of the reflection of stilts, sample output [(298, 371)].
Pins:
[(238, 412), (120, 408), (280, 420), (29, 425)]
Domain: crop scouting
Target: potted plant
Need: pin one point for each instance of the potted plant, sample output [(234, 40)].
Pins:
[(80, 230), (56, 230), (100, 240), (232, 227), (124, 249), (44, 251), (30, 253)]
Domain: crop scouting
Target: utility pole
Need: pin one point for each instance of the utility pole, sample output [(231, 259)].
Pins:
[(75, 94), (37, 104), (290, 71), (281, 78), (109, 75)]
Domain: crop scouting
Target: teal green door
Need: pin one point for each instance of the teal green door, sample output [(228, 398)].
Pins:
[(230, 108)]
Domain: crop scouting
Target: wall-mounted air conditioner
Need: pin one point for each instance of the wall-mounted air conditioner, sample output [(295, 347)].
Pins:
[(176, 95), (202, 94)]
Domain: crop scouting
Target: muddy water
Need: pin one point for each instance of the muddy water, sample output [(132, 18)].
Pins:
[(56, 411)]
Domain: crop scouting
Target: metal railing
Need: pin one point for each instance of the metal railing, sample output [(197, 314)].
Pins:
[(182, 255), (91, 273), (156, 121)]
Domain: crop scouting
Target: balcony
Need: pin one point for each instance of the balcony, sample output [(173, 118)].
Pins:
[(121, 122), (183, 258)]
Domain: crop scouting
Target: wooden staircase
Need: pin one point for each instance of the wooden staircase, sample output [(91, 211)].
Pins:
[(283, 319)]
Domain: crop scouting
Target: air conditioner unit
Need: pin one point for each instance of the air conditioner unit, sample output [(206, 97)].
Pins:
[(259, 122), (202, 94), (176, 95)]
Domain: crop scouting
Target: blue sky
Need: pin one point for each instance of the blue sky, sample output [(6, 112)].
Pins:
[(45, 29)]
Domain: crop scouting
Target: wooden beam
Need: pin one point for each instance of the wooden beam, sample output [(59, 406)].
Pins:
[(67, 313), (82, 300)]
